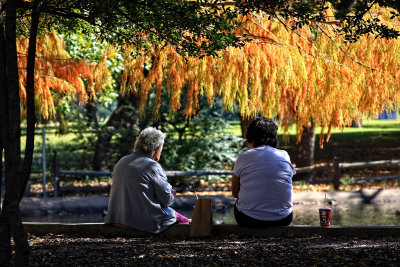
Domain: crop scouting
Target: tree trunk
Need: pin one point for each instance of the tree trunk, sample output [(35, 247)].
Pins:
[(10, 220), (244, 124), (63, 128), (1, 159), (16, 177), (3, 96), (30, 98), (121, 116), (92, 115), (305, 152), (5, 238), (356, 123)]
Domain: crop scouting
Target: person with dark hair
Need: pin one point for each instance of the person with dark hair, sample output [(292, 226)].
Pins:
[(262, 179)]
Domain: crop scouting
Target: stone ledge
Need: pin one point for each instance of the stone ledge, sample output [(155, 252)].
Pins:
[(227, 230)]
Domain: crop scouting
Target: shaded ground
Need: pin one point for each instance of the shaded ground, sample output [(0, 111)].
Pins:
[(61, 250)]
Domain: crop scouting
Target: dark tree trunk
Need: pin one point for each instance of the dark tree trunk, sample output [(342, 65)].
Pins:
[(3, 93), (357, 123), (63, 128), (11, 225), (244, 123), (16, 177), (5, 239), (1, 160), (92, 115), (30, 99), (305, 152), (121, 116)]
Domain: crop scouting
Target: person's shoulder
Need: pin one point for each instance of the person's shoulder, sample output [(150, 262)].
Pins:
[(246, 152), (125, 158), (281, 153), (154, 166), (138, 159)]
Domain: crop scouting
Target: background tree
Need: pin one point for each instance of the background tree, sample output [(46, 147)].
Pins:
[(55, 74), (163, 20), (10, 221), (191, 27), (309, 76), (81, 46)]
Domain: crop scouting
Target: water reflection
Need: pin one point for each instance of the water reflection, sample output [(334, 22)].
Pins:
[(356, 214), (383, 214)]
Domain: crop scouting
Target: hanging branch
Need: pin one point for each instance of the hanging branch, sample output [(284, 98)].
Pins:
[(263, 28), (291, 30), (341, 48), (266, 39)]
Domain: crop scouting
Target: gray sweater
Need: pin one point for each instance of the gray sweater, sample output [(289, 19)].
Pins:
[(140, 195)]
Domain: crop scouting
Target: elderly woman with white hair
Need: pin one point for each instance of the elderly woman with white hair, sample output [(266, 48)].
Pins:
[(140, 194)]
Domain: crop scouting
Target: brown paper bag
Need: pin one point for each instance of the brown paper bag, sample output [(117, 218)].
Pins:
[(202, 221)]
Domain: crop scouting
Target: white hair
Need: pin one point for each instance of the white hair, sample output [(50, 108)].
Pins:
[(149, 140)]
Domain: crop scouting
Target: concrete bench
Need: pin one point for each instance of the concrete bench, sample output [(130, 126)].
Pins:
[(223, 230)]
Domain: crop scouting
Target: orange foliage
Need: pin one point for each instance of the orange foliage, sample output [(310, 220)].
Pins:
[(297, 77), (56, 73)]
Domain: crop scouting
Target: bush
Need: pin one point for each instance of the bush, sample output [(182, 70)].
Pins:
[(206, 144)]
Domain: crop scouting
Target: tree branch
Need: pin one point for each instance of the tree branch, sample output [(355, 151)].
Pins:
[(341, 48)]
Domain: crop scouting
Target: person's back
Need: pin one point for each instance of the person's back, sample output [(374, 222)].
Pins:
[(262, 179), (140, 193), (265, 183), (137, 182)]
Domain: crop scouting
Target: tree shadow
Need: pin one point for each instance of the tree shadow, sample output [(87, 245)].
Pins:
[(367, 199)]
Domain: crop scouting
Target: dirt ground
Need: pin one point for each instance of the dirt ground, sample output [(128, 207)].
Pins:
[(61, 250)]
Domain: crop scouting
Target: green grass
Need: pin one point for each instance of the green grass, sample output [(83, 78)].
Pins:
[(378, 139), (383, 130), (369, 126), (72, 157)]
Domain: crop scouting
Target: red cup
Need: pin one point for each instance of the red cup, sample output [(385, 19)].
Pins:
[(325, 217)]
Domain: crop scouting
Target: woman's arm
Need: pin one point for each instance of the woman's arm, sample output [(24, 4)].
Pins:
[(235, 186), (162, 189)]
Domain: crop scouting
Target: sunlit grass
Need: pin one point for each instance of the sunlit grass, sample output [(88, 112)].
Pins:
[(382, 133), (371, 129), (52, 140), (368, 126)]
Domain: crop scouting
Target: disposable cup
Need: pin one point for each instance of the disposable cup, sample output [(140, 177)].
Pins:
[(325, 217)]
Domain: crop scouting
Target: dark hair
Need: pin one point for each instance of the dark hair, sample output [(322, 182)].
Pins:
[(262, 131)]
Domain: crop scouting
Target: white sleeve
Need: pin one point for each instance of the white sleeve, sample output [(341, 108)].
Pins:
[(238, 165)]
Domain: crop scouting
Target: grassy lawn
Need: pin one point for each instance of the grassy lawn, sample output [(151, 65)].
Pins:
[(378, 139), (369, 126), (375, 133)]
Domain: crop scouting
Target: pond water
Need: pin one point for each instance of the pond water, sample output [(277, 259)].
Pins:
[(362, 215), (382, 214)]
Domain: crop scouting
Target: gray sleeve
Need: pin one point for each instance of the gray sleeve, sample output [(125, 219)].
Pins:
[(162, 188)]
